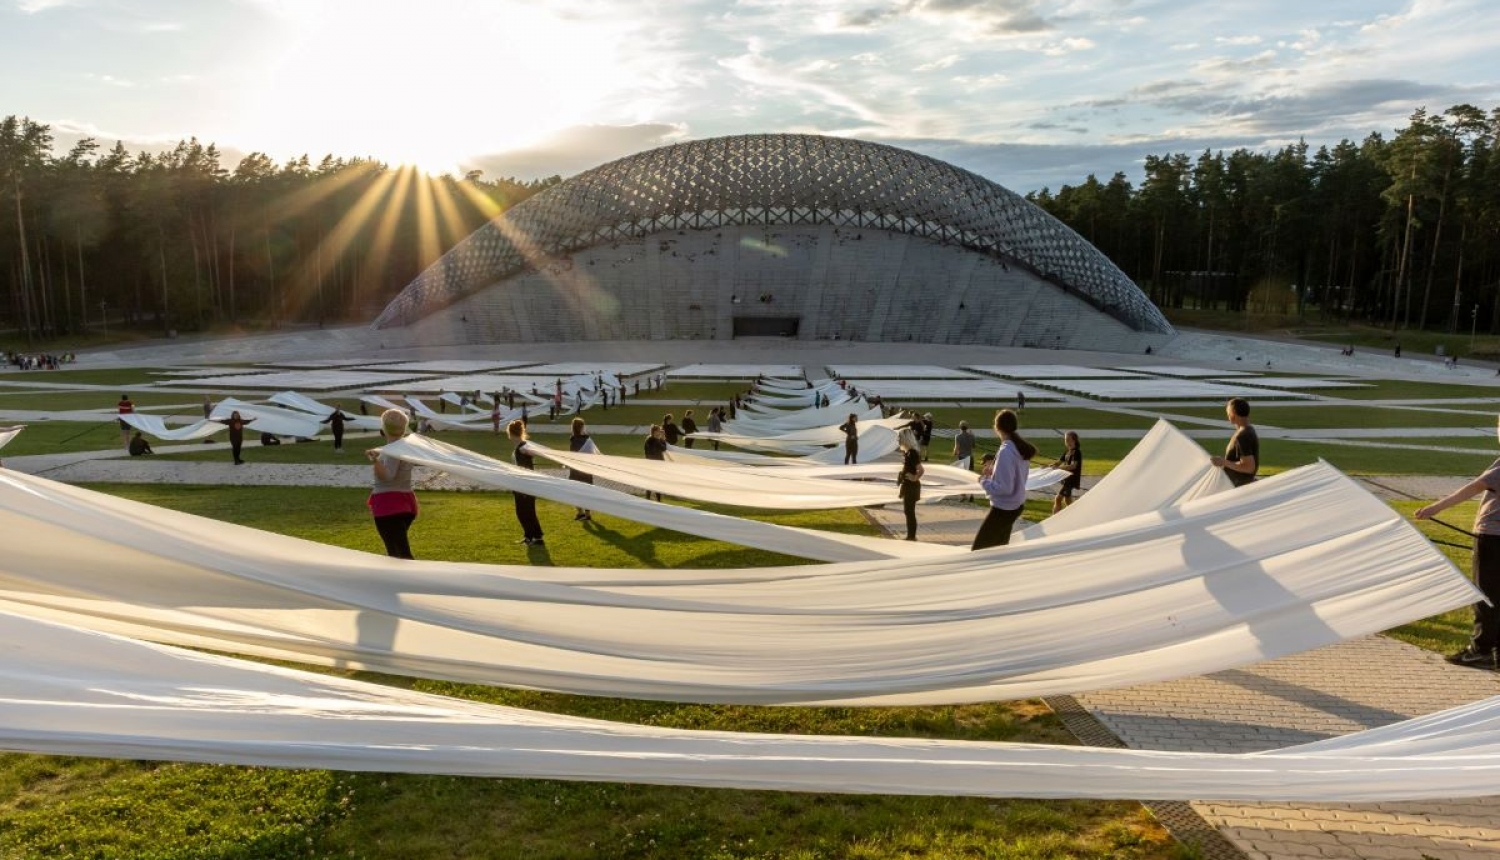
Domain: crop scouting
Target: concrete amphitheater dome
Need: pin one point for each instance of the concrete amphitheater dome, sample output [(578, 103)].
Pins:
[(777, 234)]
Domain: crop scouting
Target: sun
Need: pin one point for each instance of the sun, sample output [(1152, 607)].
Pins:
[(429, 85)]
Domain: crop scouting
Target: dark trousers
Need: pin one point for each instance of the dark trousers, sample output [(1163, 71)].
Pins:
[(338, 439), (235, 444), (1486, 569), (393, 530), (909, 507), (688, 442), (531, 527), (851, 452), (995, 530)]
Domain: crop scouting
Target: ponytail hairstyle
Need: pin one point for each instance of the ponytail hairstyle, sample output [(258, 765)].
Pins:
[(1007, 426), (577, 426), (516, 430)]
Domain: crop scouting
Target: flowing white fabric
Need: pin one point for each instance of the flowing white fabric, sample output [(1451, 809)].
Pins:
[(875, 441), (471, 421), (155, 426), (804, 489), (303, 403), (805, 419), (802, 441), (269, 419), (9, 433), (1165, 468), (1300, 560), (803, 543), (65, 691)]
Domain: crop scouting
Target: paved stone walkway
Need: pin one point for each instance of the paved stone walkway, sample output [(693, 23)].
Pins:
[(1369, 682)]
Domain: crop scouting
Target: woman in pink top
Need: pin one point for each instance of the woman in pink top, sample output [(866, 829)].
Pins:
[(392, 501)]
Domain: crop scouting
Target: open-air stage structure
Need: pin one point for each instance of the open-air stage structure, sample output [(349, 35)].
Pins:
[(817, 238)]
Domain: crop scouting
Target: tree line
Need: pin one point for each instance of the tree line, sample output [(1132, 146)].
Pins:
[(1398, 232), (177, 241)]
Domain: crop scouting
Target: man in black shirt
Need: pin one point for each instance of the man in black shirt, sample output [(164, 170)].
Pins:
[(1242, 458), (139, 445)]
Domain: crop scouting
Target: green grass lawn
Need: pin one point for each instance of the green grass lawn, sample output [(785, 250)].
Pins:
[(68, 807), (58, 437), (116, 376), (1306, 417), (60, 401), (1402, 389)]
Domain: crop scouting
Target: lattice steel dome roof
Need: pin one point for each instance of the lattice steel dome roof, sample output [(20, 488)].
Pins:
[(776, 179)]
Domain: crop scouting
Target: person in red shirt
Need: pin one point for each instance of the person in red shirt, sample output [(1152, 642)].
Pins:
[(125, 407)]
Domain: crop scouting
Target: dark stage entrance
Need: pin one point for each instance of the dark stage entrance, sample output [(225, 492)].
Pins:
[(766, 326)]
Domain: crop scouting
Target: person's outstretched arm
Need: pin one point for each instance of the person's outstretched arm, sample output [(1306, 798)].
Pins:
[(1462, 494)]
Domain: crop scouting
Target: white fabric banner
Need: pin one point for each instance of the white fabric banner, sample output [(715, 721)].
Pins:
[(803, 543), (303, 403), (269, 419), (807, 419), (803, 489), (9, 433), (153, 425), (1297, 561), (1165, 468), (65, 691)]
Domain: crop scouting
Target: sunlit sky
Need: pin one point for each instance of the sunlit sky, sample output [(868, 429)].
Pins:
[(1025, 92)]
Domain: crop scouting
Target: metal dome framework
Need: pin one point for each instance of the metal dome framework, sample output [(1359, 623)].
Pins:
[(776, 179)]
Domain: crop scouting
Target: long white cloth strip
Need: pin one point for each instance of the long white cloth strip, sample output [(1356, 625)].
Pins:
[(1300, 560), (65, 691), (463, 421), (1165, 468), (156, 427), (9, 433), (803, 543), (802, 441), (269, 419), (874, 442), (303, 403), (775, 489), (806, 419)]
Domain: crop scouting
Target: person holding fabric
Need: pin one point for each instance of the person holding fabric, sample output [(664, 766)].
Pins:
[(1071, 462), (909, 481), (963, 446), (139, 446), (578, 442), (335, 422), (671, 430), (392, 502), (1004, 481), (689, 427), (495, 416), (208, 407), (531, 527), (924, 434), (851, 439), (715, 424), (236, 426), (656, 449), (1242, 456), (1484, 639), (125, 407)]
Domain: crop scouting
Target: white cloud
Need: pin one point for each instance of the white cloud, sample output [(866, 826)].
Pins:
[(939, 63), (981, 82), (1237, 40), (1068, 46), (31, 7)]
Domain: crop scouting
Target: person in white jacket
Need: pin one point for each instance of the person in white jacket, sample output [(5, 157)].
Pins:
[(1004, 481)]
